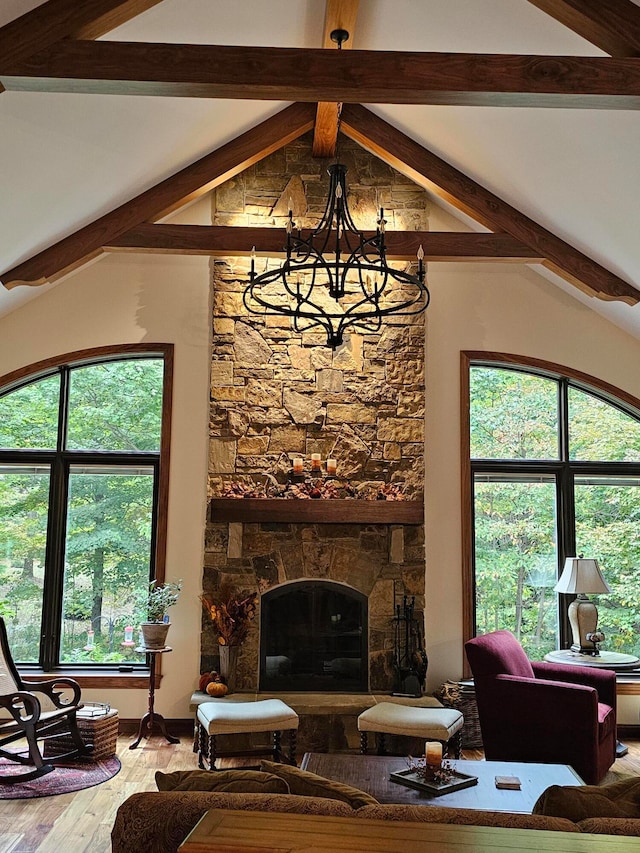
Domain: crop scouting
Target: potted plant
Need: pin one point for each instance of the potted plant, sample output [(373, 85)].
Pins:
[(160, 597)]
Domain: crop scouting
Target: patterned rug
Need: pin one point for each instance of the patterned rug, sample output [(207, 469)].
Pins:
[(73, 776)]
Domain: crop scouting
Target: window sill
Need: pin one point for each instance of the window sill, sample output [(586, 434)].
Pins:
[(115, 680)]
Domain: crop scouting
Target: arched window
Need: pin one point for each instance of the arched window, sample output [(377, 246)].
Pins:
[(554, 471), (81, 452)]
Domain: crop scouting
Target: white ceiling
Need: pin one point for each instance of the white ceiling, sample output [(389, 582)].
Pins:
[(65, 159)]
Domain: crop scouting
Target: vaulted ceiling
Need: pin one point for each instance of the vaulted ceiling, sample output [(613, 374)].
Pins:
[(521, 116)]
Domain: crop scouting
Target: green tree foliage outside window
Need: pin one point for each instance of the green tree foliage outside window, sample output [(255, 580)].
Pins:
[(539, 497), (96, 482)]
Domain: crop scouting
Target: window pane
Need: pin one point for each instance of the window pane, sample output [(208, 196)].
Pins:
[(24, 503), (608, 528), (513, 415), (116, 406), (599, 431), (29, 416), (516, 559), (107, 560)]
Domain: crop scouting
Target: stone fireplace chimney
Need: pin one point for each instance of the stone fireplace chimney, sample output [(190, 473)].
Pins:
[(277, 394)]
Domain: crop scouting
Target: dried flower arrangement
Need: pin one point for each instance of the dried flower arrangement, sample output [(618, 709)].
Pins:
[(440, 774), (230, 612), (317, 489)]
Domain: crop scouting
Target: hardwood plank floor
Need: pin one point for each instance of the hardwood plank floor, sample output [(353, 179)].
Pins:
[(82, 821)]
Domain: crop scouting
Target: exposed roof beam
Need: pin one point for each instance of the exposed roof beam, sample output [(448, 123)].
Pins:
[(220, 240), (60, 19), (430, 171), (339, 15), (354, 76), (191, 182), (612, 25)]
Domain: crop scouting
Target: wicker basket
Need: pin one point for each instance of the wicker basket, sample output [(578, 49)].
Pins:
[(101, 731), (462, 697)]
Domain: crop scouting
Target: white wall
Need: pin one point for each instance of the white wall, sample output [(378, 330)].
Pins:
[(131, 299), (503, 308)]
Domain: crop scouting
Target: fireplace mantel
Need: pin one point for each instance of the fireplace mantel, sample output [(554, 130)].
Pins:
[(315, 511)]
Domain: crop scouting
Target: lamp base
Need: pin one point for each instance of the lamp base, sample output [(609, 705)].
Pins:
[(583, 618)]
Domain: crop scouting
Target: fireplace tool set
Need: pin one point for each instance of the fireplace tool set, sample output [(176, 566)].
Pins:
[(409, 656)]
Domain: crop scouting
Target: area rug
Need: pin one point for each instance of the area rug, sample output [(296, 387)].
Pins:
[(72, 776)]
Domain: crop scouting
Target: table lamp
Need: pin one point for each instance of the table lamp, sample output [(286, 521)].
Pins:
[(581, 576)]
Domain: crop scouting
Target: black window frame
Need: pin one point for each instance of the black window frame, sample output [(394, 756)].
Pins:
[(60, 462), (563, 470)]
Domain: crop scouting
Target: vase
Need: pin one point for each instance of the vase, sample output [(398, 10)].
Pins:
[(228, 665)]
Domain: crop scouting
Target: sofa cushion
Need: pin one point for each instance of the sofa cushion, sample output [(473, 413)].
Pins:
[(610, 826), (307, 784), (465, 817), (577, 803), (161, 820), (231, 781)]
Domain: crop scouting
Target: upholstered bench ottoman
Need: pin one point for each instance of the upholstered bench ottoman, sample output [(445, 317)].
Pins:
[(230, 718), (443, 724)]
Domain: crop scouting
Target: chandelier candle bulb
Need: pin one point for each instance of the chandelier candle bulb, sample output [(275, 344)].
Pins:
[(433, 753)]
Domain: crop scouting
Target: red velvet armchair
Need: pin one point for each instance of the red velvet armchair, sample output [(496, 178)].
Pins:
[(543, 712)]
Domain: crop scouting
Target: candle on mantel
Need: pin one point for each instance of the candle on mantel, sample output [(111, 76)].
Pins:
[(433, 752), (298, 465), (315, 463), (332, 465)]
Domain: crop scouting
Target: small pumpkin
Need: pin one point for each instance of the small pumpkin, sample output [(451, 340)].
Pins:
[(217, 688)]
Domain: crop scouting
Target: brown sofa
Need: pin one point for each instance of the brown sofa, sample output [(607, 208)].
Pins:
[(161, 820)]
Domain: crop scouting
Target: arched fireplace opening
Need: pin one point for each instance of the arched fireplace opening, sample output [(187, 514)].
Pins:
[(313, 637)]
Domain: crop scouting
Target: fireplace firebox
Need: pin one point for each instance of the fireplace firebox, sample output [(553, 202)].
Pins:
[(313, 637)]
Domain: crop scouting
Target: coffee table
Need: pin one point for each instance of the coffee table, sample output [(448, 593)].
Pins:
[(371, 773)]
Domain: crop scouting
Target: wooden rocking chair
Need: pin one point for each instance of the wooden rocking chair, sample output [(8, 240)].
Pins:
[(30, 722)]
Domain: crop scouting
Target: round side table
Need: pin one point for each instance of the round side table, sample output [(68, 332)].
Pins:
[(616, 661), (151, 718)]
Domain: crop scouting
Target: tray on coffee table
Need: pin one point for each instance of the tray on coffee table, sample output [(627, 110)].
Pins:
[(413, 779)]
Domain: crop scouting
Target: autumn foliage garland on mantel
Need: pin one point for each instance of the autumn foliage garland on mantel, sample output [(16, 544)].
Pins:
[(322, 489)]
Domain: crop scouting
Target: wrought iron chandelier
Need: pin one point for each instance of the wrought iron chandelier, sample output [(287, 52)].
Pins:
[(336, 278)]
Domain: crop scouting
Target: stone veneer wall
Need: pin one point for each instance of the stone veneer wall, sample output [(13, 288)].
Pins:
[(276, 394)]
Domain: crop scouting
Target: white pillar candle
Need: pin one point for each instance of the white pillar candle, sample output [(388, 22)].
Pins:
[(298, 465), (433, 752), (332, 465), (315, 462)]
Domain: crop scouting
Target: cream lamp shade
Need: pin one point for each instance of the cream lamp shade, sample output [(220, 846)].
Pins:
[(579, 577)]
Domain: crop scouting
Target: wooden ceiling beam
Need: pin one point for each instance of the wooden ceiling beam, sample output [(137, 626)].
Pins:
[(612, 25), (339, 15), (353, 76), (60, 19), (221, 240), (431, 172), (186, 185)]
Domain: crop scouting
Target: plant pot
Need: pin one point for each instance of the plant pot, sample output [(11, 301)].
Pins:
[(155, 634)]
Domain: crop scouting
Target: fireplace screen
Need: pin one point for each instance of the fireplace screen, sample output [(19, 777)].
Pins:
[(313, 636)]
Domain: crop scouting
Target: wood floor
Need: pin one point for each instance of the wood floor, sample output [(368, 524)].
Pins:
[(82, 821)]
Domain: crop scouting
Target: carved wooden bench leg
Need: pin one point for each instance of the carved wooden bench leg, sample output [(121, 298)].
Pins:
[(363, 743), (293, 739), (277, 751), (380, 740)]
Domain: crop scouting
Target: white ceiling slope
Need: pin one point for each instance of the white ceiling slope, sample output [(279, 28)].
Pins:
[(66, 159)]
